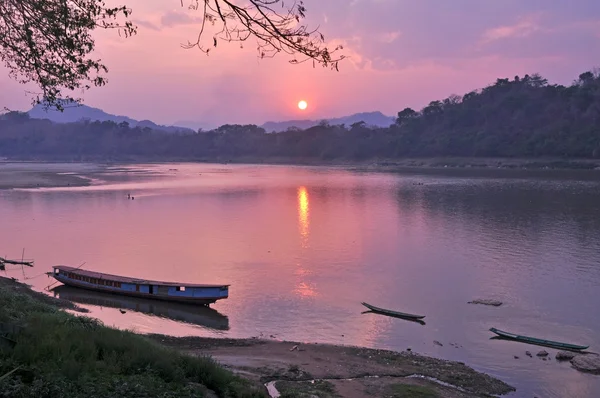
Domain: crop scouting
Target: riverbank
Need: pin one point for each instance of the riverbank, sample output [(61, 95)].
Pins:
[(53, 350), (19, 175), (45, 351), (580, 169), (46, 175), (331, 370), (28, 175), (433, 163)]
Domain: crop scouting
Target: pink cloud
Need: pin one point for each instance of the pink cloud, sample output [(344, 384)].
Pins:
[(146, 24), (523, 28), (390, 37), (175, 18)]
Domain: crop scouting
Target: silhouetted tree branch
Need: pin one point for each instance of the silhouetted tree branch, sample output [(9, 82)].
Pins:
[(275, 31), (49, 42)]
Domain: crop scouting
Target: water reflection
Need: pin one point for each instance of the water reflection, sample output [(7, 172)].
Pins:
[(304, 253), (304, 288), (303, 215), (196, 315)]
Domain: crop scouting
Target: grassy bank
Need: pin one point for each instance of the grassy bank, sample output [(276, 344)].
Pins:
[(46, 352)]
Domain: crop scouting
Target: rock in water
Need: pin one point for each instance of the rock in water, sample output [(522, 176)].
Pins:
[(494, 303), (437, 343), (528, 354), (587, 363), (542, 353), (564, 356)]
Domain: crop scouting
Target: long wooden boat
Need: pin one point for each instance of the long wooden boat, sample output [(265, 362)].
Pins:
[(536, 341), (134, 287), (398, 314)]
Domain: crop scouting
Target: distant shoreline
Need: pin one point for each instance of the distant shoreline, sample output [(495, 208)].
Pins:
[(425, 162), (27, 174), (432, 162), (24, 175)]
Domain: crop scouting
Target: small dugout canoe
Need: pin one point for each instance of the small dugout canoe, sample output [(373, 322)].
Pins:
[(536, 341), (397, 314)]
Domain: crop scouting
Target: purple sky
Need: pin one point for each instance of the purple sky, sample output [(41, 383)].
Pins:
[(403, 53)]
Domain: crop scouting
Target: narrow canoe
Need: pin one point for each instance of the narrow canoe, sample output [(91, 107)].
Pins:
[(536, 341), (392, 313)]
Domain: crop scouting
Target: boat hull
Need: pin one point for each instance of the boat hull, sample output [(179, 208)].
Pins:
[(189, 300), (201, 294), (397, 314), (536, 341)]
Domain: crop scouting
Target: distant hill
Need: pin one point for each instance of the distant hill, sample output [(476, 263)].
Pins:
[(195, 125), (78, 113), (511, 118), (72, 114), (372, 119)]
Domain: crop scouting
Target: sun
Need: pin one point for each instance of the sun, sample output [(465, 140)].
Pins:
[(302, 105)]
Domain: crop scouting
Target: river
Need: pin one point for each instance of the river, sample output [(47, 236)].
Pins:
[(302, 247)]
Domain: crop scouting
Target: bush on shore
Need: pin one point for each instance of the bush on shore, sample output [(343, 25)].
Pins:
[(56, 354)]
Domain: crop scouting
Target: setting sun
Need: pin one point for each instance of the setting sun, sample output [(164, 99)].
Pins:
[(302, 105)]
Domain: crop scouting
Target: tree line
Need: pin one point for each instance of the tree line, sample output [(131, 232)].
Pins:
[(520, 117)]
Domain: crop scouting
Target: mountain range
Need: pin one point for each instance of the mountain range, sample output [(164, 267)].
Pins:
[(72, 114), (373, 119)]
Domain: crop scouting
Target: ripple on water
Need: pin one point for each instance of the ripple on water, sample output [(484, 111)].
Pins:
[(303, 247)]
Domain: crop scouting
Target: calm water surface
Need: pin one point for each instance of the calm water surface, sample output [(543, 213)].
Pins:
[(302, 247)]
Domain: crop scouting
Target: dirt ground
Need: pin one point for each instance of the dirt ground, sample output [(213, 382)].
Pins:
[(351, 372)]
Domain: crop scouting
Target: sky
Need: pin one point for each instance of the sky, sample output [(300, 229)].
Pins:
[(402, 53)]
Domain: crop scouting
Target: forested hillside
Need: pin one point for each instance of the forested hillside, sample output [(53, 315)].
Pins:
[(519, 117)]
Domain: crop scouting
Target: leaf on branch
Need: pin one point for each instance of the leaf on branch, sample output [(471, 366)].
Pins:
[(49, 43)]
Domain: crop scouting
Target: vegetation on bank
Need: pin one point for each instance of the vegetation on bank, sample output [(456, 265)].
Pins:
[(306, 389), (521, 117), (45, 352), (410, 391)]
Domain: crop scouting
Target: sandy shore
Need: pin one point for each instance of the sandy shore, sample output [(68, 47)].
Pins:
[(46, 175), (331, 371), (18, 175)]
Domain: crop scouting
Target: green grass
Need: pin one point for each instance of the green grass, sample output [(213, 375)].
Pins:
[(61, 355), (411, 391), (305, 389)]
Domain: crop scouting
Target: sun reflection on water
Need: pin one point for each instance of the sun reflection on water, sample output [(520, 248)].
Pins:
[(303, 215), (304, 287)]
